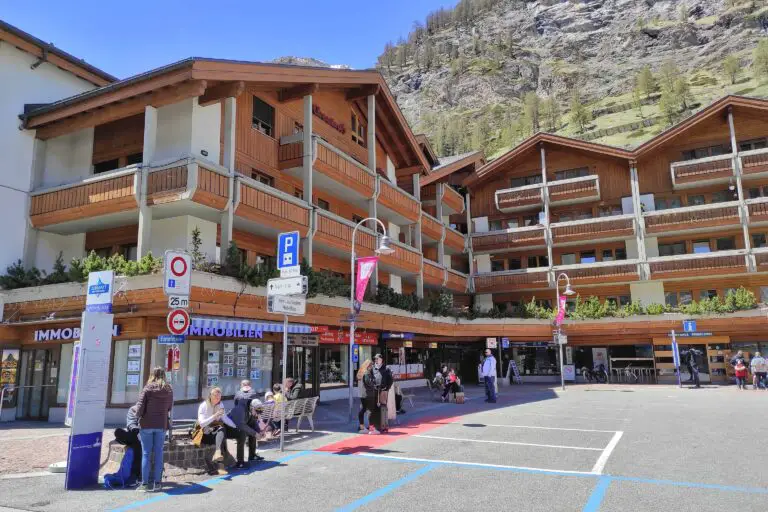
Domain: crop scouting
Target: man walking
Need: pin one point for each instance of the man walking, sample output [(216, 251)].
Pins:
[(241, 416), (759, 368), (489, 376)]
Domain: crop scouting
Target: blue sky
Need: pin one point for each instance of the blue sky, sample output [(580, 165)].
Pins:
[(125, 38)]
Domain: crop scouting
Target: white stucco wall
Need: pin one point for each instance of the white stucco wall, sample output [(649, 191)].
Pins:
[(206, 129), (480, 225), (176, 233), (484, 302), (68, 158), (483, 262), (396, 283), (21, 85), (647, 292), (391, 174), (49, 245), (185, 128)]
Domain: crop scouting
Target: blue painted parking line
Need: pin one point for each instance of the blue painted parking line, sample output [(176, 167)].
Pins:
[(195, 488), (693, 485), (598, 494), (378, 493)]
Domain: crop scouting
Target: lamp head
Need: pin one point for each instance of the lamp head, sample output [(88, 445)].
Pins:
[(384, 247), (568, 290)]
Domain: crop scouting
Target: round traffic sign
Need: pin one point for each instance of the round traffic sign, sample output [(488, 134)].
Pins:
[(178, 266), (178, 321)]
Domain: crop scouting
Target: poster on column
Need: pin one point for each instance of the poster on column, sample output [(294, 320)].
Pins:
[(600, 357), (88, 399)]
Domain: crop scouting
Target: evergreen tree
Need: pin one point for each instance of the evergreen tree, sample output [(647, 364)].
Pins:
[(760, 60), (668, 73), (580, 114), (550, 110), (645, 81), (682, 93), (637, 100), (731, 68), (668, 105), (429, 54), (531, 105)]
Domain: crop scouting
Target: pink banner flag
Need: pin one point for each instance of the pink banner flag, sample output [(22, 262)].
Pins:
[(560, 310), (365, 268)]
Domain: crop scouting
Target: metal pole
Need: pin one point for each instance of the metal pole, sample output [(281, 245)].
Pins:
[(351, 320), (557, 339), (285, 377), (676, 358)]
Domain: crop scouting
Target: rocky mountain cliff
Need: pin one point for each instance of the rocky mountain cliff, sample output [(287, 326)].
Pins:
[(463, 75)]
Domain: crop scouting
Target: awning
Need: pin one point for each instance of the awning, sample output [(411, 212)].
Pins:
[(229, 324)]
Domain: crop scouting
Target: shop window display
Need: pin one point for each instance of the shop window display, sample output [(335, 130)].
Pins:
[(226, 363), (186, 378), (65, 370), (536, 360), (127, 371), (334, 364)]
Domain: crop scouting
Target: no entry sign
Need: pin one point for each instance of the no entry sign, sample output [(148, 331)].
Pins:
[(177, 272), (178, 321)]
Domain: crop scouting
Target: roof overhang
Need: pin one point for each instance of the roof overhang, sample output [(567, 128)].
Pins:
[(476, 158)]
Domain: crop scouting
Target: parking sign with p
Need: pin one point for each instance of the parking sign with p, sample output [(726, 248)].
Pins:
[(288, 253)]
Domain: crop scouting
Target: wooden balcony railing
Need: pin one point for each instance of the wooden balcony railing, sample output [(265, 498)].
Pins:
[(456, 281), (428, 192), (703, 171), (692, 217), (290, 155), (754, 163), (270, 207), (492, 282), (761, 258), (405, 258), (258, 146), (600, 272), (102, 194), (758, 209), (452, 200), (336, 232), (519, 198), (619, 226), (434, 273), (398, 200), (431, 227), (705, 264), (574, 190), (165, 182), (212, 187), (454, 240), (514, 238)]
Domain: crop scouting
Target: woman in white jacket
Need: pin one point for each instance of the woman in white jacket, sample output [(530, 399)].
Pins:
[(212, 417)]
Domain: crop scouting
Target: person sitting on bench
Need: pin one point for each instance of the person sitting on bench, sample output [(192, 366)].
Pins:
[(451, 384)]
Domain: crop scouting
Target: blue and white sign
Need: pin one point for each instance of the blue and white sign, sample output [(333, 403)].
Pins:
[(177, 273), (288, 253), (689, 325), (88, 399), (675, 355), (171, 339), (504, 342), (99, 291)]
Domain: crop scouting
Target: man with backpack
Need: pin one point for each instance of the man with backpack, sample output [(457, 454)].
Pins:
[(129, 472), (241, 417)]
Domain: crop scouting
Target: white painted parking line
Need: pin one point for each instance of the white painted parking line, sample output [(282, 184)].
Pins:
[(603, 459), (508, 443), (570, 417), (475, 464), (547, 428)]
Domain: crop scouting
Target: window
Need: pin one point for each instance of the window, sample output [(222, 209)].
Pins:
[(358, 130), (565, 217), (725, 244), (609, 211), (754, 193), (696, 200), (531, 220), (707, 294), (334, 365), (722, 196), (135, 158), (297, 192), (129, 252), (665, 203), (763, 297), (672, 249), (624, 300), (515, 264), (537, 261), (127, 371), (265, 261), (701, 246), (670, 299), (526, 180), (749, 145), (694, 154), (620, 253), (104, 252), (356, 218), (607, 255), (588, 257), (571, 173), (187, 377), (685, 298), (266, 179), (512, 223), (614, 301), (106, 166), (263, 116), (497, 265), (495, 225), (568, 259), (758, 240), (323, 204), (65, 372), (729, 291), (544, 303)]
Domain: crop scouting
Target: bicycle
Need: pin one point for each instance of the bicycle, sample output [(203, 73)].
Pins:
[(629, 374)]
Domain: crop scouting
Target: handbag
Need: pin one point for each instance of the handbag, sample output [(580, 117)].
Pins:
[(383, 396), (196, 434)]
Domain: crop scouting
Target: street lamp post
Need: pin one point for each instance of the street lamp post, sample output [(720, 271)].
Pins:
[(568, 291), (382, 248)]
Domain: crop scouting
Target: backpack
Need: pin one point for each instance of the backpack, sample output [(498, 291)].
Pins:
[(124, 477)]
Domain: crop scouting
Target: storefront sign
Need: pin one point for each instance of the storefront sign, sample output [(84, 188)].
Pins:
[(569, 372), (342, 338), (408, 344), (699, 334), (224, 333), (99, 287), (303, 340), (339, 127), (490, 343), (66, 333), (433, 345), (397, 335), (504, 342)]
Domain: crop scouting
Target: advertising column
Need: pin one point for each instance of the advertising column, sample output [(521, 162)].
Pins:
[(88, 387)]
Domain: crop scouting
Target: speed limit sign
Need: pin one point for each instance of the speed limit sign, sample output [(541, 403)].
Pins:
[(178, 321)]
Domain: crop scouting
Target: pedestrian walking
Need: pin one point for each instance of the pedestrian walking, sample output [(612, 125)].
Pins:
[(361, 392), (245, 431), (741, 374), (489, 376), (377, 381), (759, 368), (153, 410)]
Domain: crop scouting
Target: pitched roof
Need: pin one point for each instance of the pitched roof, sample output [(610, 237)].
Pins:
[(424, 141), (52, 54), (450, 164)]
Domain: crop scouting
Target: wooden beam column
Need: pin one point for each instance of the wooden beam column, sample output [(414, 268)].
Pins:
[(545, 198), (308, 159), (371, 141), (644, 270), (227, 216), (743, 210)]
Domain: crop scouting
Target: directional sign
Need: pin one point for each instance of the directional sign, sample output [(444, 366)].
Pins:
[(689, 325), (171, 339), (177, 273), (287, 286), (562, 339), (288, 250), (178, 301), (295, 306), (178, 321), (697, 334)]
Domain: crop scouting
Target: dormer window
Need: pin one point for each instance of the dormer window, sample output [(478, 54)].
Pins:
[(358, 130)]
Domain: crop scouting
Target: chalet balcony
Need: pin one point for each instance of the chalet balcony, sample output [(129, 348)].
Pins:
[(617, 227), (509, 239), (754, 164), (107, 194), (267, 211), (600, 272), (396, 205), (201, 181), (434, 274), (455, 241), (335, 171), (431, 228), (761, 258), (698, 265), (574, 190), (702, 171), (453, 202), (512, 280), (758, 210), (456, 282), (406, 260), (693, 218), (527, 197)]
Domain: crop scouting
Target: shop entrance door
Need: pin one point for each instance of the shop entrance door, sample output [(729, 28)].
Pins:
[(302, 366), (36, 385)]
